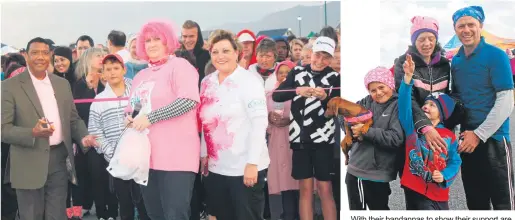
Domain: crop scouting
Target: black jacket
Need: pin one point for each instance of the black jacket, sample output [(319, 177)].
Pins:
[(429, 78), (82, 91), (375, 158), (69, 75), (320, 130), (202, 57)]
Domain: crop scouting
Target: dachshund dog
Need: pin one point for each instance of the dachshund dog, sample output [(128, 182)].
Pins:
[(353, 114)]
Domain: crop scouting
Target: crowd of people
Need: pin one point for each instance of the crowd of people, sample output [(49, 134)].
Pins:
[(231, 121), (416, 108), (237, 118)]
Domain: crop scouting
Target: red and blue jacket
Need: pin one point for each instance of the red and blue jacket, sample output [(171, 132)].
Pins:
[(421, 161)]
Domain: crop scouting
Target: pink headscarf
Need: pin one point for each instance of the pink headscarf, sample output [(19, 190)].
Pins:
[(288, 63), (164, 30), (382, 75)]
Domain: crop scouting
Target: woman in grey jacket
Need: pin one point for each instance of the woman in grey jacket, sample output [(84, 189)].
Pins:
[(372, 163)]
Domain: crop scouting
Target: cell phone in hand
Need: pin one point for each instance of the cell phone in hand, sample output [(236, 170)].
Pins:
[(47, 124)]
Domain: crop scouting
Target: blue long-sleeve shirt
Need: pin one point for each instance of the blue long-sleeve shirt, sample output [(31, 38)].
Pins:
[(421, 161)]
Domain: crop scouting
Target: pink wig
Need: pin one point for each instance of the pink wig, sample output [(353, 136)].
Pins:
[(162, 29)]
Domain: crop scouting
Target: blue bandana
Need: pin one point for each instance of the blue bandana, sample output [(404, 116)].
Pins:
[(472, 11)]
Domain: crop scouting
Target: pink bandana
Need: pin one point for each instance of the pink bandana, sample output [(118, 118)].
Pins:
[(360, 118)]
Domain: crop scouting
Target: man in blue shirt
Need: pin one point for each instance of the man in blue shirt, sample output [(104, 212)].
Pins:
[(482, 80)]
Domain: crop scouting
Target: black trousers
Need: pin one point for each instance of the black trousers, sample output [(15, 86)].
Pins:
[(416, 201), (83, 171), (490, 161), (77, 192), (197, 204), (229, 199), (363, 193), (129, 196), (266, 210), (9, 201), (290, 202), (106, 203)]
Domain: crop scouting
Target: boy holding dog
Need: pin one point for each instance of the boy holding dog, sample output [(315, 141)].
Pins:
[(373, 157)]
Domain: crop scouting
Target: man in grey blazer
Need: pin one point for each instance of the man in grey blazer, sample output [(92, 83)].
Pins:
[(39, 121)]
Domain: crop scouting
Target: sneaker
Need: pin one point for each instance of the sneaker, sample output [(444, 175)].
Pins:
[(110, 219), (101, 219)]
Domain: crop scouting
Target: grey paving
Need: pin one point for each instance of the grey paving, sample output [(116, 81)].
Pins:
[(457, 196)]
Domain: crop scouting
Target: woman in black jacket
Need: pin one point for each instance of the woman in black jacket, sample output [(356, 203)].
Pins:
[(88, 72), (63, 67), (63, 64), (432, 72)]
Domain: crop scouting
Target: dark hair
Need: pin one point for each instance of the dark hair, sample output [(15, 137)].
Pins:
[(37, 40), (14, 58), (330, 32), (267, 45), (220, 35), (113, 60), (11, 69), (290, 38), (189, 24), (117, 38), (86, 38), (304, 40), (4, 61)]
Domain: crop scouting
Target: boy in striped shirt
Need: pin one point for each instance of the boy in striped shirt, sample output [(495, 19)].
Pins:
[(106, 121)]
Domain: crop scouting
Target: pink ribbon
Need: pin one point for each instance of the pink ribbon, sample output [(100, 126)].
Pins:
[(76, 101)]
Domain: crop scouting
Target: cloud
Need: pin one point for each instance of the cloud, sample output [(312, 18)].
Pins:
[(396, 15)]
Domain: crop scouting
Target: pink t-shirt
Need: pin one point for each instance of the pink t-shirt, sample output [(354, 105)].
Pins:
[(175, 142), (512, 63)]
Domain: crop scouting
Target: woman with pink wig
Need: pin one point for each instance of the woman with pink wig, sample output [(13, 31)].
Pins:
[(165, 96)]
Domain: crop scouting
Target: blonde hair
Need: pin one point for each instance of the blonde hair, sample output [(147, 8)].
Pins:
[(84, 63), (296, 42), (308, 46)]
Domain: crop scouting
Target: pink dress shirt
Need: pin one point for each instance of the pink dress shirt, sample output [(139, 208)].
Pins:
[(46, 96)]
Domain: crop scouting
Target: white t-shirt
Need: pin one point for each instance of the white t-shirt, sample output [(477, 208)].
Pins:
[(234, 120), (125, 54)]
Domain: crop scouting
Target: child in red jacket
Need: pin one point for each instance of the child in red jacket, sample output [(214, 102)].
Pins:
[(428, 172)]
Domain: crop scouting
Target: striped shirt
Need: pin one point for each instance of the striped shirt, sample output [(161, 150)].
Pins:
[(106, 120)]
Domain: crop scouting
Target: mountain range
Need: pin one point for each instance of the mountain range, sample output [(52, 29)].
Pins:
[(312, 20)]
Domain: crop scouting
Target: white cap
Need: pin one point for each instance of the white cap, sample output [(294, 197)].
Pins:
[(245, 37), (324, 44)]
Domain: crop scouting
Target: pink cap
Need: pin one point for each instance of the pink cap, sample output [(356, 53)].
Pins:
[(422, 22)]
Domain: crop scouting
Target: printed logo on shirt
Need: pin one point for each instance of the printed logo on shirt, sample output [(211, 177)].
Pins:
[(142, 94), (257, 104)]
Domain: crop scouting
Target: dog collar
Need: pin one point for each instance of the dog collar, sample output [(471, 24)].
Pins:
[(361, 117)]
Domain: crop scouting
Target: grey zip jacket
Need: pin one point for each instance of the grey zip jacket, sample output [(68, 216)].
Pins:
[(375, 157)]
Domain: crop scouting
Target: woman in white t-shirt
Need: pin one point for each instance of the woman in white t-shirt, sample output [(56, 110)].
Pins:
[(234, 120)]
